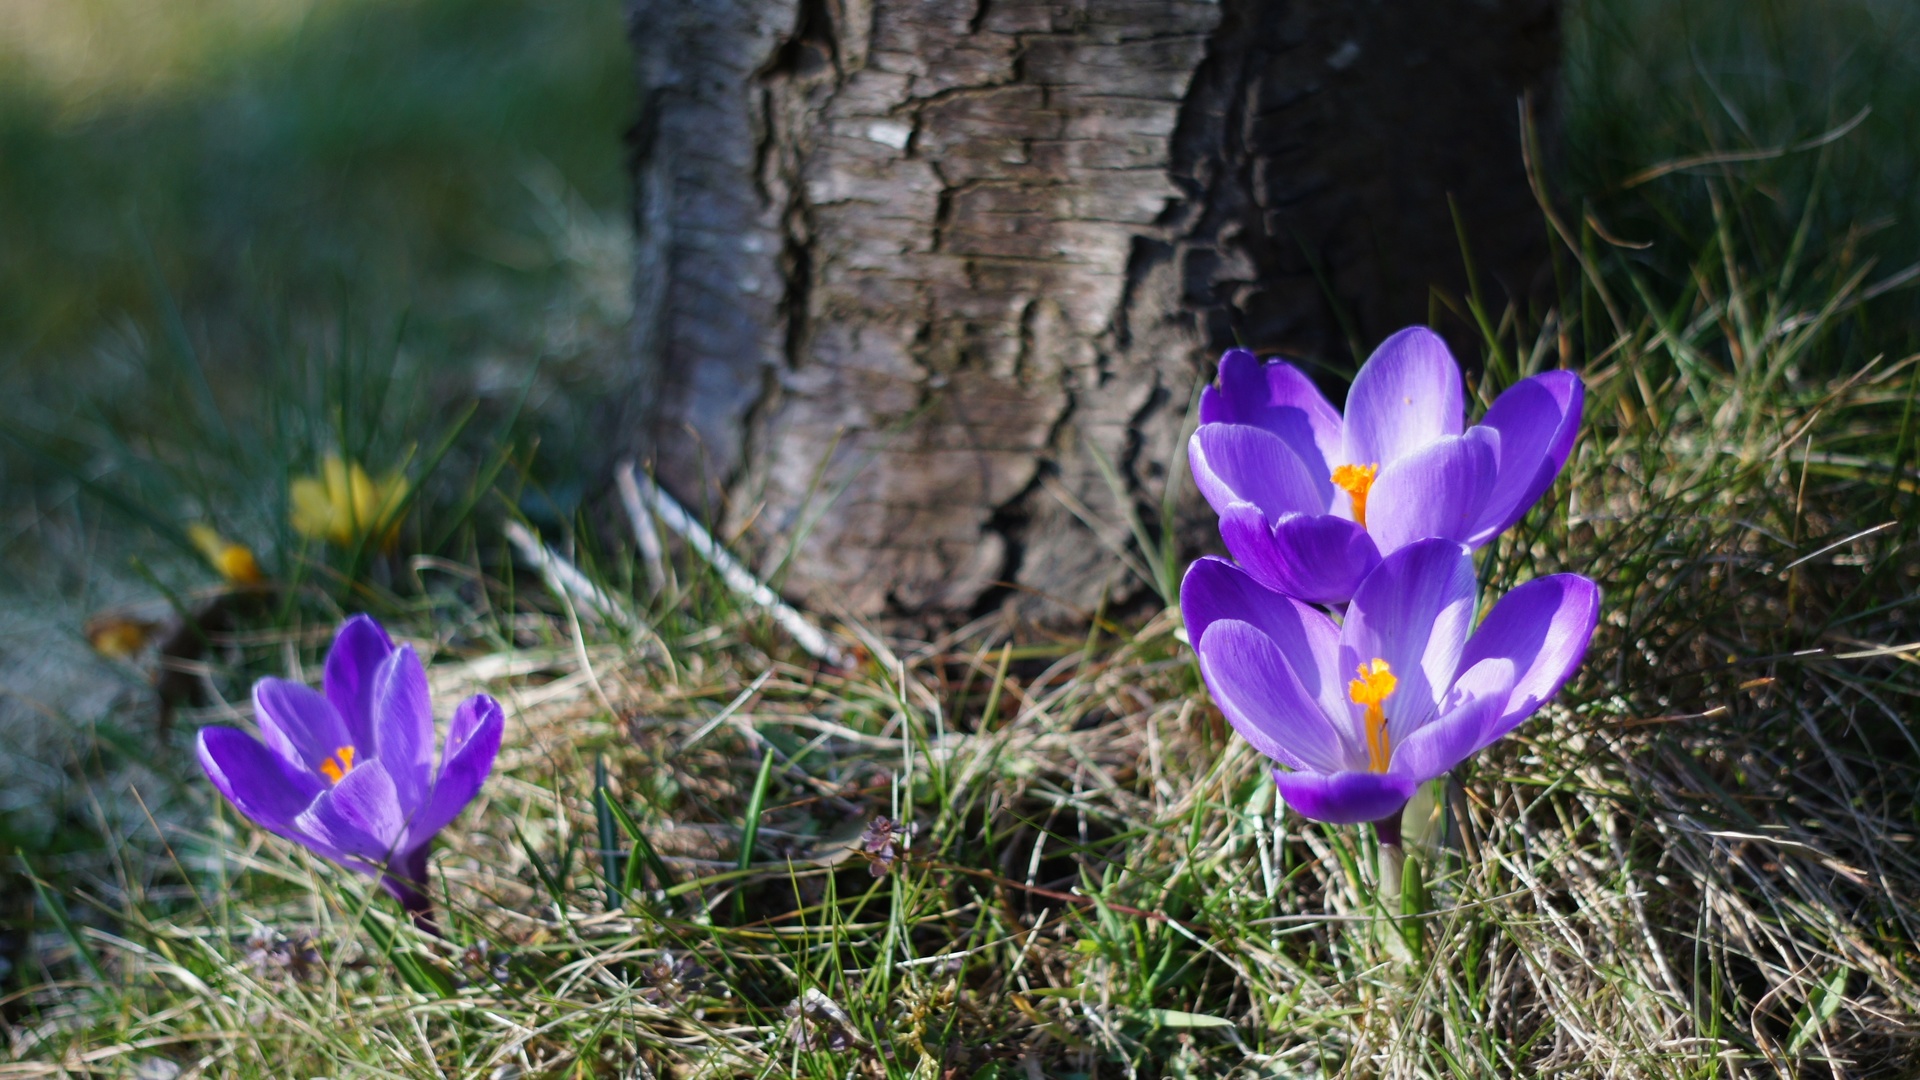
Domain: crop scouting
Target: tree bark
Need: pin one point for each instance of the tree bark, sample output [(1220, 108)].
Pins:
[(925, 288)]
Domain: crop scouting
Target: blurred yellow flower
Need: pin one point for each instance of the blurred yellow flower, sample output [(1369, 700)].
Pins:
[(234, 561), (343, 504), (118, 636)]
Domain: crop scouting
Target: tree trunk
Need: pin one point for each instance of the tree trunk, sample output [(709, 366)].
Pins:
[(926, 287)]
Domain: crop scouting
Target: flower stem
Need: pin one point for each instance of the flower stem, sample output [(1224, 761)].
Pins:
[(415, 903), (1392, 859), (406, 880)]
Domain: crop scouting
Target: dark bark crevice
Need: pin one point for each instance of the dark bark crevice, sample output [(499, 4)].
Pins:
[(809, 51)]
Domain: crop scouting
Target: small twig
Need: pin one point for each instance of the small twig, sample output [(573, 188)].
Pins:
[(1884, 650), (565, 579), (724, 714), (1672, 718), (646, 533), (1731, 157), (1862, 534), (580, 653), (1530, 164), (647, 497)]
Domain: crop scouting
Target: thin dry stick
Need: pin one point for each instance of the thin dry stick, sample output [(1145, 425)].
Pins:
[(644, 497), (1529, 160), (1731, 157), (566, 580), (646, 533)]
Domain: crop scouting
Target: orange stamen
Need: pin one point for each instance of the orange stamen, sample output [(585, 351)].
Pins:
[(339, 765), (1373, 687), (1356, 481)]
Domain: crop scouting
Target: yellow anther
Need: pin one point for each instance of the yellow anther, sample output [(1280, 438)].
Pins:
[(1356, 481), (1375, 684), (339, 765)]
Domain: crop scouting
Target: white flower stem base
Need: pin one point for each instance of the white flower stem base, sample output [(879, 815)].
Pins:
[(1393, 860)]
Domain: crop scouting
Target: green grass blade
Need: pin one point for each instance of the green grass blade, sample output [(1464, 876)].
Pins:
[(57, 908), (611, 857)]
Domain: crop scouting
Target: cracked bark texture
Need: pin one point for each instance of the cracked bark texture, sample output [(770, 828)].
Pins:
[(925, 288)]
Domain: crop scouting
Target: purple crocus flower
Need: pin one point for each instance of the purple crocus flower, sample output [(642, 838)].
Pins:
[(1310, 501), (349, 773), (1402, 690)]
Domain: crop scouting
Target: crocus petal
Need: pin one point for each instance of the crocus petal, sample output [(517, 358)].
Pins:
[(360, 816), (298, 723), (1318, 558), (1237, 463), (1439, 490), (1276, 396), (1473, 708), (1346, 798), (358, 650), (403, 726), (1414, 612), (1264, 701), (257, 781), (1538, 419), (1406, 395), (1308, 640), (472, 742), (1542, 628)]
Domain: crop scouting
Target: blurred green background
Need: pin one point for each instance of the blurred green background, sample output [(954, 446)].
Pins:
[(1810, 107), (289, 155), (236, 230)]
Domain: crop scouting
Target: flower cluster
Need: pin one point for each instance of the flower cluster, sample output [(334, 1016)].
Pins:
[(1340, 641)]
